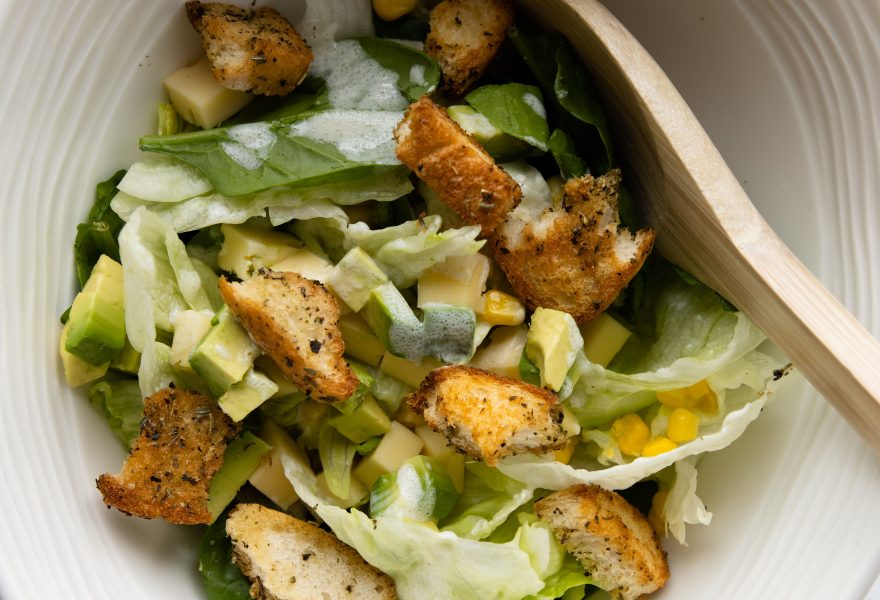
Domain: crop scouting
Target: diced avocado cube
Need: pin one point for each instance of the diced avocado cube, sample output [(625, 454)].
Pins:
[(449, 332), (128, 360), (247, 249), (552, 344), (108, 267), (503, 352), (190, 326), (269, 476), (420, 490), (224, 355), (77, 372), (199, 99), (354, 277), (408, 372), (603, 338), (394, 322), (501, 146), (366, 421), (365, 382), (285, 386), (360, 342), (242, 457), (398, 445), (97, 322), (458, 280), (246, 395), (306, 263)]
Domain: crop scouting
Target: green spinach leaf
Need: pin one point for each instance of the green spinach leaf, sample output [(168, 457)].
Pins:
[(221, 578), (516, 109), (98, 234), (418, 73), (565, 154)]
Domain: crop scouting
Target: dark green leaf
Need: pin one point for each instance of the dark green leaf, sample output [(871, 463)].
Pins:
[(310, 95), (221, 579), (528, 371), (565, 154), (516, 109), (98, 234), (65, 316), (368, 446), (418, 73)]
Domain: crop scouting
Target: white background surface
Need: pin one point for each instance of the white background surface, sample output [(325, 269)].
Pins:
[(788, 90)]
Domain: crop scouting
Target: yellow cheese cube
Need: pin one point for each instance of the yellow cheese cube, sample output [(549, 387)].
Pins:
[(269, 477), (308, 264), (603, 338), (247, 249), (360, 341), (198, 98), (458, 281), (396, 446), (503, 352), (406, 371)]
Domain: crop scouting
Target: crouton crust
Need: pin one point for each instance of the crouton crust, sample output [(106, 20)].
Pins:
[(251, 50), (455, 166), (286, 558), (296, 322), (612, 540), (575, 258), (169, 470), (464, 38), (487, 416)]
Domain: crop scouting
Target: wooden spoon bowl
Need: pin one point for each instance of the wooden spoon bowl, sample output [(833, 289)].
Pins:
[(706, 223)]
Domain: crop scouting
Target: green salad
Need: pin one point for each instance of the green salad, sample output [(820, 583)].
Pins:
[(237, 186)]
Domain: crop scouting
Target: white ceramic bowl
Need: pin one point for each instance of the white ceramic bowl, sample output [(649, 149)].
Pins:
[(788, 91)]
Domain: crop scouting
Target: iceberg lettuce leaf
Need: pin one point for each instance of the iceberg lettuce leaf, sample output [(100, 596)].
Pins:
[(683, 506)]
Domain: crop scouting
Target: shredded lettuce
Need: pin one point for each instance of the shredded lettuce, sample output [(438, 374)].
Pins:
[(121, 404), (683, 506), (160, 178)]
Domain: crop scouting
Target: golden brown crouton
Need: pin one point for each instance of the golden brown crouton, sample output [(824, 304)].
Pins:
[(251, 50), (464, 38), (575, 258), (169, 471), (296, 322), (612, 540), (487, 416), (455, 166), (289, 559)]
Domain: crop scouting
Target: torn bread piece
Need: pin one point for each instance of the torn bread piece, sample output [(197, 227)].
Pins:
[(169, 470), (575, 257), (487, 416), (296, 322), (455, 166), (289, 559), (464, 38), (251, 50), (612, 540)]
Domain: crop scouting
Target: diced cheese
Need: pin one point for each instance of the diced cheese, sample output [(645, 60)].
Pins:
[(199, 99), (396, 446)]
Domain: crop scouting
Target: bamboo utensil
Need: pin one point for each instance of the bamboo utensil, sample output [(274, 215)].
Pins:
[(706, 224)]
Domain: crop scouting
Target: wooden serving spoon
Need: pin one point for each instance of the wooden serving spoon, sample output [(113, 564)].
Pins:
[(706, 224)]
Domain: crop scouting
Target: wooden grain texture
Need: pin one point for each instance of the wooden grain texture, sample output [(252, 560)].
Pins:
[(706, 224)]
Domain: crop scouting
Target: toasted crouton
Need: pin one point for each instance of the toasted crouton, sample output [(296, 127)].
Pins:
[(251, 50), (179, 450), (455, 166), (487, 416), (612, 540), (575, 258), (296, 322), (289, 559), (465, 36)]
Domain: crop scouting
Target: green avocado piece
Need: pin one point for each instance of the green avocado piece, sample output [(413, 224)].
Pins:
[(501, 146), (242, 457), (366, 421), (128, 360), (394, 322), (449, 332), (246, 395), (97, 325), (224, 355), (552, 344)]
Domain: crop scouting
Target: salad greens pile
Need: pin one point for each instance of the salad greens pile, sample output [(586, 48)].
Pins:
[(312, 179)]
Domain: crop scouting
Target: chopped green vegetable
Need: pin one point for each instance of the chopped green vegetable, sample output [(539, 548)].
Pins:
[(121, 404), (221, 578), (417, 73), (98, 235)]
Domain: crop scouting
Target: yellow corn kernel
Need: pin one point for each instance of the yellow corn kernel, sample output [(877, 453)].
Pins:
[(563, 455), (499, 308), (390, 10), (631, 434), (683, 426), (708, 403), (679, 398), (658, 445), (698, 395), (655, 515)]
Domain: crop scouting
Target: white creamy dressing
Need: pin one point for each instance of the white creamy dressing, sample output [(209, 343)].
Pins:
[(354, 80), (360, 135), (417, 75), (249, 145), (415, 501), (535, 104)]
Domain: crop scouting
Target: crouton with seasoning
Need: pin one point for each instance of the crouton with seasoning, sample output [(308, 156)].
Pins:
[(455, 166), (487, 416), (575, 257), (465, 35), (296, 322), (289, 559), (254, 50), (613, 541), (169, 470)]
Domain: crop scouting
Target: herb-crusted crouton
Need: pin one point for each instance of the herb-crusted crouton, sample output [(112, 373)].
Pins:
[(289, 559), (455, 166), (251, 50), (574, 257), (612, 540), (487, 416), (179, 450), (296, 322), (465, 36)]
